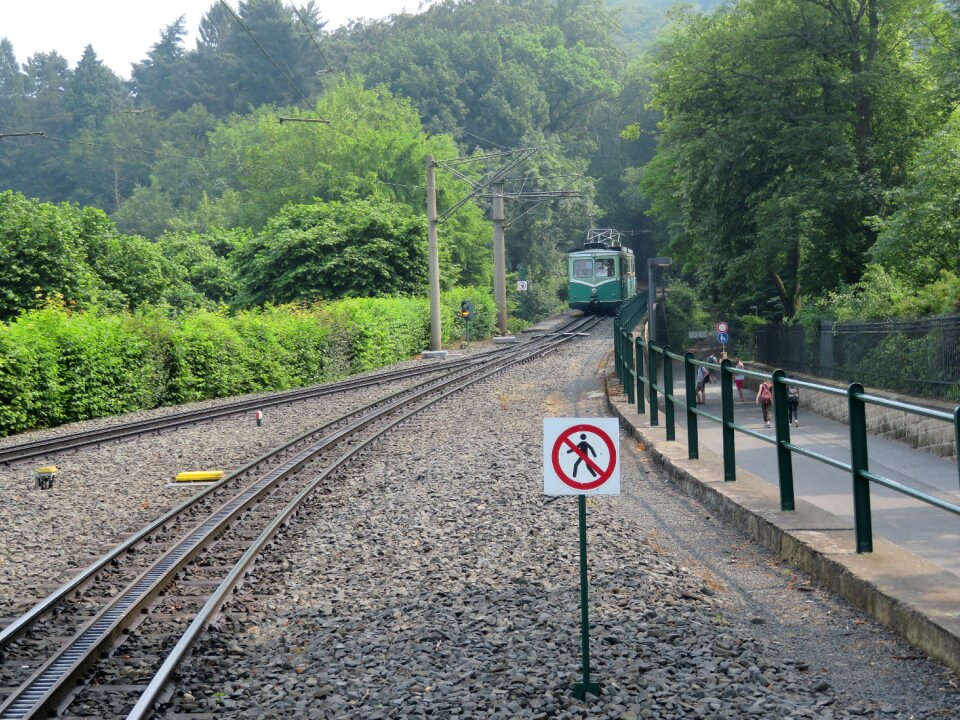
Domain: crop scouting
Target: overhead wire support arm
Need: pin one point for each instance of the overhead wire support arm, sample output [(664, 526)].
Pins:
[(522, 155), (306, 120), (487, 156), (21, 134), (537, 195), (562, 192)]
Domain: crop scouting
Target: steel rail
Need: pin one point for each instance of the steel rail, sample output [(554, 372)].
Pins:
[(24, 451), (47, 684), (234, 578), (23, 623), (81, 579)]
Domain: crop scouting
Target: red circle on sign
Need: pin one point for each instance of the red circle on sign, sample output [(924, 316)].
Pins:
[(722, 327), (564, 439)]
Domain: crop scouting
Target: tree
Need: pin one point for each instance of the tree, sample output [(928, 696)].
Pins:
[(94, 92), (922, 237), (167, 80), (44, 251), (784, 122), (358, 248)]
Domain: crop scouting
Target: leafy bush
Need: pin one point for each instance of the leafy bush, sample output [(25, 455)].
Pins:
[(682, 309), (57, 366), (60, 366)]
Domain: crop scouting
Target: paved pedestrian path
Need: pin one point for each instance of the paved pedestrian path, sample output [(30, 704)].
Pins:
[(910, 594), (916, 526)]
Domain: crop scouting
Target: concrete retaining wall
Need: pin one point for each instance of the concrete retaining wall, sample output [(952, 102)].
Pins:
[(934, 436)]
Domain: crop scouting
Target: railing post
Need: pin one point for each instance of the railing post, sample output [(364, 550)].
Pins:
[(618, 345), (668, 394), (690, 383), (956, 427), (784, 456), (628, 383), (641, 403), (726, 413), (858, 463), (651, 382)]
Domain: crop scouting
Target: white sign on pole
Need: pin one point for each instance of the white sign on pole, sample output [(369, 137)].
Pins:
[(521, 285), (581, 456)]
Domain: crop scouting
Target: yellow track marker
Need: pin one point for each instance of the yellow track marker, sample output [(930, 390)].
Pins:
[(200, 476)]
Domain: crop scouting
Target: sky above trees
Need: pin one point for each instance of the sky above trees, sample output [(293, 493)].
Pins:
[(122, 31)]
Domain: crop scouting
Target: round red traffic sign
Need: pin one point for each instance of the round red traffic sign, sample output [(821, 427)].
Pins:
[(598, 475), (722, 327)]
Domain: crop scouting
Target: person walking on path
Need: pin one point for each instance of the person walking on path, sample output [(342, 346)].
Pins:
[(765, 400), (793, 405), (738, 378), (703, 377)]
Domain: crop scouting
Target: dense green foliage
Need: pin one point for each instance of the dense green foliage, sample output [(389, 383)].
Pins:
[(63, 251), (789, 129), (334, 250), (59, 366), (797, 155)]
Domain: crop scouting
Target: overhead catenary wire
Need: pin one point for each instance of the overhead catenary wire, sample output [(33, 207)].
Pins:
[(286, 77), (175, 156), (313, 39)]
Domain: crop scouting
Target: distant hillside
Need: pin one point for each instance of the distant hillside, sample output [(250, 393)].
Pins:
[(640, 19)]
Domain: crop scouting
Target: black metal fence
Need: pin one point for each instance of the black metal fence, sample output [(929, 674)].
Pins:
[(915, 357)]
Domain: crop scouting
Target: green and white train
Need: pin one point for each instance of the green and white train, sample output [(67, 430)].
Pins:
[(602, 275)]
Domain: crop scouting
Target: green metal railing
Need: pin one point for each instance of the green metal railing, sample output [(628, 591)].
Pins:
[(626, 319), (636, 384)]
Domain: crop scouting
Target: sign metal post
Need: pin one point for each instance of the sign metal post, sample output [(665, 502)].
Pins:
[(590, 448), (581, 689)]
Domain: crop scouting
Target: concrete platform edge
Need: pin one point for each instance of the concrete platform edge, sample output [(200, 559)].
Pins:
[(903, 591)]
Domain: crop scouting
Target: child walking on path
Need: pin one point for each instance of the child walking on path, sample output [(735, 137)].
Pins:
[(765, 400)]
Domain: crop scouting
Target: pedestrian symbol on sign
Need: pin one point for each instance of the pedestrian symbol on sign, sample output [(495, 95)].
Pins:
[(584, 447), (580, 456)]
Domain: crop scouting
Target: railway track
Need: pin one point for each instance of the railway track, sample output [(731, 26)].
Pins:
[(107, 643), (73, 441)]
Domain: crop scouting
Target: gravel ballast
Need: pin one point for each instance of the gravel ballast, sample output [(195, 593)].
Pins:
[(102, 494), (437, 581)]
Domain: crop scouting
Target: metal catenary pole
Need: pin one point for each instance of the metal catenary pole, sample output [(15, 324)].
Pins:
[(499, 257), (434, 255)]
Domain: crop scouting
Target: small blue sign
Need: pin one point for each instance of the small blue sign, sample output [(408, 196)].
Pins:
[(723, 338)]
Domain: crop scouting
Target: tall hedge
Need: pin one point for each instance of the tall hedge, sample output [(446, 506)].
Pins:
[(59, 366)]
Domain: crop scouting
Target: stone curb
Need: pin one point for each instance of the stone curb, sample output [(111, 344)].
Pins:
[(913, 597)]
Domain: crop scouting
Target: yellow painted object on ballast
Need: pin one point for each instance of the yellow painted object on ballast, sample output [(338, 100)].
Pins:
[(48, 470), (200, 476)]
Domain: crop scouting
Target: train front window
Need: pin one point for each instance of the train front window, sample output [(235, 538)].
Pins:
[(583, 268), (604, 267)]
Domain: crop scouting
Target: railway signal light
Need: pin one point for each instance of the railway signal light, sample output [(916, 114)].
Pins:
[(466, 310)]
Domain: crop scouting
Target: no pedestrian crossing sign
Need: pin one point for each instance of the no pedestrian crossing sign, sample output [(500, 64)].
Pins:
[(581, 456)]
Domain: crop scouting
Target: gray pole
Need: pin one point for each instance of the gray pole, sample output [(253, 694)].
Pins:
[(434, 256), (499, 258)]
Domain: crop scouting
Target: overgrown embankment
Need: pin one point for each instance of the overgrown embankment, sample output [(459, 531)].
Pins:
[(58, 366)]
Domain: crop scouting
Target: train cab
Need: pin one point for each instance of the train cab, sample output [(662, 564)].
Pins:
[(601, 275)]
